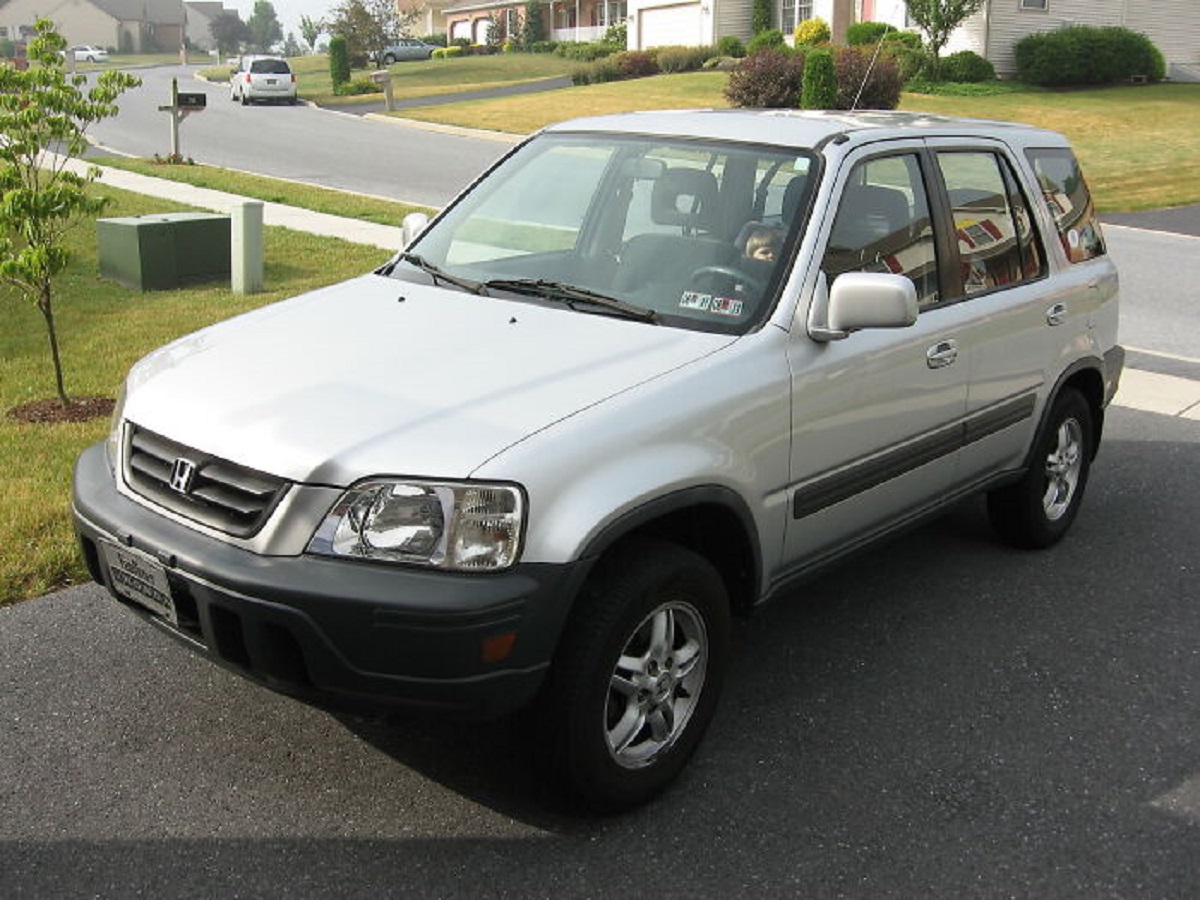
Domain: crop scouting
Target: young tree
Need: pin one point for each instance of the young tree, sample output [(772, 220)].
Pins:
[(370, 25), (229, 31), (939, 18), (310, 30), (264, 26), (45, 109)]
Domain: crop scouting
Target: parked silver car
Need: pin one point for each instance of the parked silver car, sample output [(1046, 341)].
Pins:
[(645, 375), (405, 49), (262, 78)]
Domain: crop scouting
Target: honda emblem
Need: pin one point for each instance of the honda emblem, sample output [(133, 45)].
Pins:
[(183, 473)]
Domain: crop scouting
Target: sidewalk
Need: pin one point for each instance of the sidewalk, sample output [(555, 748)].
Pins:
[(357, 231)]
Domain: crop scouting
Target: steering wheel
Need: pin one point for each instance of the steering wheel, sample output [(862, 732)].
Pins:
[(740, 280)]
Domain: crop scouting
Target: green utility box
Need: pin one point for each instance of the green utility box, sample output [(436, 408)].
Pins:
[(160, 252)]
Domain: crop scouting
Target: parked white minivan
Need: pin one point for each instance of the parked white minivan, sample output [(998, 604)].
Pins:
[(642, 376)]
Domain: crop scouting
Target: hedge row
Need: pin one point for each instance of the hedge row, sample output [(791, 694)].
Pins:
[(772, 79), (1086, 55)]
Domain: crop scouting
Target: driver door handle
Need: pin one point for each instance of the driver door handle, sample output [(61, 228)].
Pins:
[(941, 354)]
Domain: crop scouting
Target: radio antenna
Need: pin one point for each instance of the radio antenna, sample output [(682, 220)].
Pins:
[(871, 65)]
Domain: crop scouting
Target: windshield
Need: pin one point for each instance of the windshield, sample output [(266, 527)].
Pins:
[(694, 232)]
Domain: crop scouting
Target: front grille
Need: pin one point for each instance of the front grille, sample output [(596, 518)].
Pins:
[(217, 493)]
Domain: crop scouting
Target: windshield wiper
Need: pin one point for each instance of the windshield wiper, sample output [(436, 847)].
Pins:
[(573, 296), (475, 287)]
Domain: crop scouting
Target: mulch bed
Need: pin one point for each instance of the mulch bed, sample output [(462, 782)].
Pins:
[(81, 409)]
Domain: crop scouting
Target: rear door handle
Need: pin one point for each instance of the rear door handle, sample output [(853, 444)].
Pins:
[(1057, 314), (941, 354)]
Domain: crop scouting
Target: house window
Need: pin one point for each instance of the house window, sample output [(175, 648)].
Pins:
[(793, 12), (1039, 5)]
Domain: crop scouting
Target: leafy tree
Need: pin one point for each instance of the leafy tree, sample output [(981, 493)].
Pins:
[(761, 16), (532, 29), (370, 25), (310, 30), (264, 26), (229, 31), (939, 18), (42, 109), (291, 46)]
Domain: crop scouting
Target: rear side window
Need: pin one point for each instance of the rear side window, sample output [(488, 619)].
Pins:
[(270, 67), (1070, 202), (997, 246)]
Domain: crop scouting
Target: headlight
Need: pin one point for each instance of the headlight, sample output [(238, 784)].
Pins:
[(461, 527), (112, 446)]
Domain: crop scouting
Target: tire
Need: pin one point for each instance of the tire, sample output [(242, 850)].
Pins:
[(637, 674), (245, 99), (1038, 510), (389, 60)]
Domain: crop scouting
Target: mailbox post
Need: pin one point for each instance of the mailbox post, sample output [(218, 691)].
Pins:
[(183, 104)]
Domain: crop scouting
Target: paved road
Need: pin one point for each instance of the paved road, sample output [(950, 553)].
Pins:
[(299, 143), (944, 718)]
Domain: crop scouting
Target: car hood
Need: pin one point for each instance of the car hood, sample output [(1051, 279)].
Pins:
[(376, 376)]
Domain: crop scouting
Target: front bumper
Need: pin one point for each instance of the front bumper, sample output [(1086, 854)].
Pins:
[(344, 634)]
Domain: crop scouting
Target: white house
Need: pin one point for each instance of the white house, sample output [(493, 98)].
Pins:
[(137, 26)]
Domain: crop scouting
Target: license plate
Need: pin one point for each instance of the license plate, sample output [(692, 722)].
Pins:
[(140, 578), (271, 81)]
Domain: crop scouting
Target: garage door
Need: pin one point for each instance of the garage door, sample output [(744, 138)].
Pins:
[(664, 26), (460, 29)]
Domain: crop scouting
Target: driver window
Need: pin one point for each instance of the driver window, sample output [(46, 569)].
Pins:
[(883, 225)]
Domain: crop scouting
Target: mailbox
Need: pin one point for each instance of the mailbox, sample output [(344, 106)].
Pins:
[(192, 100)]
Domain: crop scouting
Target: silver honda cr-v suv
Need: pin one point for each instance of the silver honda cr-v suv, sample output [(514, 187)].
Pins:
[(644, 374)]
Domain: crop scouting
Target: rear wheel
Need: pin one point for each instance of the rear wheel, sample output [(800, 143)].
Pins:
[(389, 60), (637, 675), (245, 99), (1037, 511)]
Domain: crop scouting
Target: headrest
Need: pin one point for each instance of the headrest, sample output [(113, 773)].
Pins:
[(684, 197)]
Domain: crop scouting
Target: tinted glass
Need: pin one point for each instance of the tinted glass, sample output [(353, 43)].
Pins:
[(1070, 202), (270, 67)]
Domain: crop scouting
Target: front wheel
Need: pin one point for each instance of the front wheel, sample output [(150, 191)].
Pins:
[(637, 675), (1037, 511)]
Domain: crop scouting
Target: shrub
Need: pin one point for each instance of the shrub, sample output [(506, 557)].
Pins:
[(584, 51), (543, 46), (861, 33), (912, 63), (463, 42), (356, 87), (771, 39), (636, 63), (818, 87), (448, 52), (1085, 55), (811, 32), (875, 86), (683, 59), (437, 40), (617, 36), (768, 79), (966, 66), (731, 45), (339, 61), (721, 63)]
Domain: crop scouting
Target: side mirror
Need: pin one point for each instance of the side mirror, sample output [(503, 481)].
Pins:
[(862, 300), (412, 225)]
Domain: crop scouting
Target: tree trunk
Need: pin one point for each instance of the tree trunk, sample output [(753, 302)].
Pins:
[(47, 308)]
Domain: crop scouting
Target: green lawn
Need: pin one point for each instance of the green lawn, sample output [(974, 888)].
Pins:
[(425, 78), (103, 329), (1161, 121), (274, 190)]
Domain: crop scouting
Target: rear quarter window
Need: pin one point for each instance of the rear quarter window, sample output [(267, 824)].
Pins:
[(1066, 194)]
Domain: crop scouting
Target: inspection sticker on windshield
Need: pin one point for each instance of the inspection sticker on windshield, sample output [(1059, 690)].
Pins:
[(725, 306), (695, 300)]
